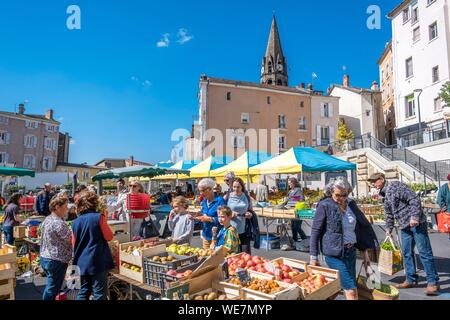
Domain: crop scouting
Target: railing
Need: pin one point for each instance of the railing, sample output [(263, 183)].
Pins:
[(430, 134), (436, 170)]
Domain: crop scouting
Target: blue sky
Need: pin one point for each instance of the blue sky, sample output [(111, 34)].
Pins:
[(118, 94)]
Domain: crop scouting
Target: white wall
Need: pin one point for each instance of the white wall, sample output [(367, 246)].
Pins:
[(349, 108), (318, 120), (426, 55)]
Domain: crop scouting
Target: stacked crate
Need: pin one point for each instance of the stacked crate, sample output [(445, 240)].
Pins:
[(8, 268)]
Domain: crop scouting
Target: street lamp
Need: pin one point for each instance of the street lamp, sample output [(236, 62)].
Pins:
[(419, 91)]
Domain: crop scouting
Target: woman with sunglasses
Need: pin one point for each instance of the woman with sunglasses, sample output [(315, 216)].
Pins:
[(341, 228)]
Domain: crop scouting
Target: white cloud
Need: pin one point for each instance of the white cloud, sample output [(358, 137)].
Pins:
[(60, 119), (134, 78), (72, 141), (146, 83), (183, 36), (164, 42)]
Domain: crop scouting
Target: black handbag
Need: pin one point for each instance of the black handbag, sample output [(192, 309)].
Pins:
[(148, 229)]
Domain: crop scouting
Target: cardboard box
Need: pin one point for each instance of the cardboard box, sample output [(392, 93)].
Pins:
[(20, 232)]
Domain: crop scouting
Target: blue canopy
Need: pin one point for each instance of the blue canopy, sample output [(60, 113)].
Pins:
[(313, 160)]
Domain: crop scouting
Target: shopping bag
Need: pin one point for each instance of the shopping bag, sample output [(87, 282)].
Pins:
[(443, 221), (148, 229), (390, 260), (370, 286)]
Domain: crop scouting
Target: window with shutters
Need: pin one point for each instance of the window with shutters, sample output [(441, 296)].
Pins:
[(31, 124), (3, 158), (410, 107), (433, 31), (29, 161), (405, 15), (435, 74), (245, 118), (50, 144), (51, 128), (302, 104), (228, 96), (415, 15), (409, 67), (281, 121), (47, 163), (282, 142), (325, 135), (437, 105), (302, 123), (326, 110), (30, 141), (4, 137), (302, 143), (85, 175), (3, 120), (416, 34)]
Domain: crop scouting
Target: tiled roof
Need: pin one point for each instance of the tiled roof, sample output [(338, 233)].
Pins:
[(354, 89), (29, 116), (258, 85)]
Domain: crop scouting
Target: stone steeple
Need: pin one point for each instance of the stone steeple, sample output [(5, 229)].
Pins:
[(274, 66)]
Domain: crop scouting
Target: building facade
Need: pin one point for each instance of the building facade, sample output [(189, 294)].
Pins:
[(386, 68), (84, 172), (238, 116), (421, 52), (29, 141), (63, 147), (360, 108), (110, 163)]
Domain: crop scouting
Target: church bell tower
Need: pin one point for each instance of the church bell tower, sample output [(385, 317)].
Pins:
[(274, 66)]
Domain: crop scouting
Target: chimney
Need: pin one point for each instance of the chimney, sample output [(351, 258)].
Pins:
[(49, 114), (131, 161), (375, 86), (310, 86), (21, 108), (302, 85), (346, 81), (328, 91)]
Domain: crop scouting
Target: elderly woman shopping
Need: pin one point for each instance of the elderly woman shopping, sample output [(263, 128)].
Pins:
[(341, 228), (208, 215)]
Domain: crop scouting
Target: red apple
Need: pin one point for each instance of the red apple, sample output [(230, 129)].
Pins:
[(252, 269), (286, 268), (287, 280), (286, 275), (172, 273), (250, 263), (246, 257), (242, 264)]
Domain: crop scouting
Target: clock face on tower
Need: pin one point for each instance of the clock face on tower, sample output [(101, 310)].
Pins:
[(280, 67)]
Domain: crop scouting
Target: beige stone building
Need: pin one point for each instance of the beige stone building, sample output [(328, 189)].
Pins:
[(386, 66), (237, 116), (29, 141)]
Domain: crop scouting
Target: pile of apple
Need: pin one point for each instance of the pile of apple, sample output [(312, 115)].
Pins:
[(313, 282), (179, 275), (283, 272), (247, 262)]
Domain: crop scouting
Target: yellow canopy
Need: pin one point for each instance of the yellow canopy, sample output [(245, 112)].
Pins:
[(203, 169), (178, 165), (284, 163)]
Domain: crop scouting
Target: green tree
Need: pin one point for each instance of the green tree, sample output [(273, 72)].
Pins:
[(444, 95), (343, 135)]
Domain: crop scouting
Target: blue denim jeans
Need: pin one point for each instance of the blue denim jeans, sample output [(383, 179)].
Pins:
[(296, 226), (9, 235), (55, 272), (418, 236), (346, 267), (96, 285)]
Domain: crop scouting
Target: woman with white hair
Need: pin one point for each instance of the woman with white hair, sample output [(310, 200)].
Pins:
[(208, 215), (229, 180), (341, 228)]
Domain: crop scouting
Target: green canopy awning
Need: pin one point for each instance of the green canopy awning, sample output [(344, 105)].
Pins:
[(135, 171), (16, 172)]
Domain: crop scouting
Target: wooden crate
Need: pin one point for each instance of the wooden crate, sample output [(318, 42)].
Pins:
[(20, 232), (8, 254), (301, 266), (7, 289), (135, 275), (330, 289), (231, 289), (205, 280), (279, 213), (119, 226), (8, 271), (288, 292), (218, 288), (138, 260)]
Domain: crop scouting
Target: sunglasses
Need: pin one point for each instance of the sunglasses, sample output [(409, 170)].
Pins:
[(341, 195), (134, 186)]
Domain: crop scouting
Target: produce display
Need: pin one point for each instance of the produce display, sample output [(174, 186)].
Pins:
[(211, 296), (313, 282), (179, 275), (131, 267), (136, 250), (185, 250), (247, 262), (261, 285), (283, 272), (164, 260)]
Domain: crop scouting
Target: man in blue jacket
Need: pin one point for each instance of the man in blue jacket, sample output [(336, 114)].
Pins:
[(404, 206), (43, 200)]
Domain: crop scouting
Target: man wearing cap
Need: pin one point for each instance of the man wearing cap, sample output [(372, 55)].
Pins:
[(43, 200), (403, 205)]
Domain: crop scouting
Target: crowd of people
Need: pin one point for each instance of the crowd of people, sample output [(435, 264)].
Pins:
[(228, 220)]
